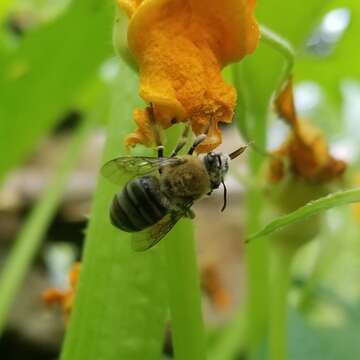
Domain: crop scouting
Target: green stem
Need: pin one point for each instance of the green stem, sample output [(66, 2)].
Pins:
[(231, 340), (252, 122), (32, 233), (187, 326), (184, 294), (284, 47), (120, 304), (256, 257), (278, 310)]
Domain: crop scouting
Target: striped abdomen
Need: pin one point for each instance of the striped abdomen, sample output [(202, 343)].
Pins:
[(139, 205)]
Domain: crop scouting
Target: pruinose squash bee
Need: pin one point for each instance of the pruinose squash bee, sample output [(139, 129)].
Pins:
[(162, 190)]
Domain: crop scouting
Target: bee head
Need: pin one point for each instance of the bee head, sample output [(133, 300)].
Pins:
[(217, 165)]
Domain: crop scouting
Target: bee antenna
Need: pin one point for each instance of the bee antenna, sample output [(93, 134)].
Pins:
[(239, 151), (225, 196)]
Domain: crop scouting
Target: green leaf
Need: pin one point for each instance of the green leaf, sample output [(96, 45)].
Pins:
[(310, 209), (40, 80), (120, 301)]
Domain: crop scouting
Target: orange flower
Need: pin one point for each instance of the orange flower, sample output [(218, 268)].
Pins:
[(65, 298), (181, 47), (301, 169), (213, 287), (306, 148)]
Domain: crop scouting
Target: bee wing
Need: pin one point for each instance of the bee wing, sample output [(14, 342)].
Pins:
[(126, 167), (149, 237)]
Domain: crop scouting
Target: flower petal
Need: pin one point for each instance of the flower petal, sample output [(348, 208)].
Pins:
[(306, 149), (285, 105), (181, 47)]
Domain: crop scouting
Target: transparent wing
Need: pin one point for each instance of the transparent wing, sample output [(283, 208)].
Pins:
[(147, 238), (126, 167)]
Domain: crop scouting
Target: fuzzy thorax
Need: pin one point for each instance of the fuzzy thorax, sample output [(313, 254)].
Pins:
[(189, 180)]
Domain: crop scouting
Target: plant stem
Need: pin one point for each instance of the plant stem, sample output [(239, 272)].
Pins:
[(252, 123), (184, 294), (278, 310), (231, 341), (120, 302), (187, 326), (256, 257), (284, 47), (33, 231)]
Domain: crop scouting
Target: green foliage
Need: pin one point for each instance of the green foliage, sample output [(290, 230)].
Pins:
[(312, 208), (40, 80)]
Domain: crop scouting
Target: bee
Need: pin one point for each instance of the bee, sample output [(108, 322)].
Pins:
[(161, 190)]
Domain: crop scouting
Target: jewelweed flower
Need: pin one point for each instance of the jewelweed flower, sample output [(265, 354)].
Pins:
[(306, 149), (301, 170), (213, 287), (180, 47)]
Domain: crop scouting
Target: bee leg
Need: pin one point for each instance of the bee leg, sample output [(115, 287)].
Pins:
[(189, 214), (182, 141), (157, 136), (198, 140), (160, 151)]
